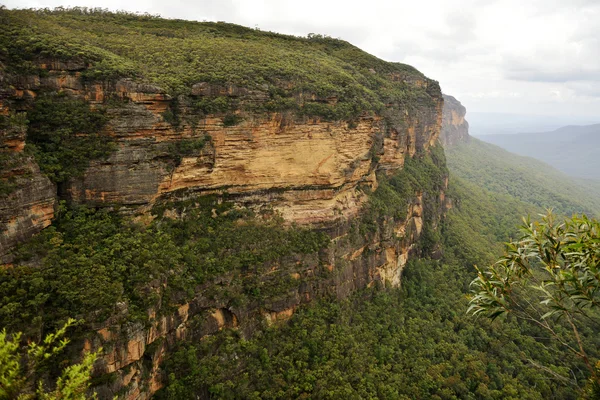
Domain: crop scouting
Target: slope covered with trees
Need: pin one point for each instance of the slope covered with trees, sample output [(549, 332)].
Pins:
[(524, 178), (570, 149), (417, 341), (412, 342)]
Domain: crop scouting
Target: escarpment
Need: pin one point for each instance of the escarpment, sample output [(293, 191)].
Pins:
[(348, 154), (455, 129), (310, 170)]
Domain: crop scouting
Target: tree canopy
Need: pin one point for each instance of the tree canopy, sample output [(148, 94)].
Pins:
[(549, 276)]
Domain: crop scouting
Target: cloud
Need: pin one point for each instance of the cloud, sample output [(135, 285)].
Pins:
[(585, 89), (539, 72), (564, 47)]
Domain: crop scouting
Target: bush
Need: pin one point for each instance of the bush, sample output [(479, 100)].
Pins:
[(231, 120), (65, 134)]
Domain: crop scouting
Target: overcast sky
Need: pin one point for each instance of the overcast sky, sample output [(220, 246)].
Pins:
[(538, 57)]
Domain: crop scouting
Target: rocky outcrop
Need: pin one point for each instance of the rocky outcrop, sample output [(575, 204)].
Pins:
[(307, 169), (310, 171), (455, 129)]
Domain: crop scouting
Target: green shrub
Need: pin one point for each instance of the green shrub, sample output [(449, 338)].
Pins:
[(65, 134), (231, 119), (186, 148)]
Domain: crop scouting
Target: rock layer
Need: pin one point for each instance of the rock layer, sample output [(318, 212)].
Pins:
[(306, 168)]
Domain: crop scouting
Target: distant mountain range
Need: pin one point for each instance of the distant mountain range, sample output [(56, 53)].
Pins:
[(574, 150), (490, 123)]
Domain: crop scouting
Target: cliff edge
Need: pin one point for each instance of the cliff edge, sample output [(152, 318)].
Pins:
[(455, 129)]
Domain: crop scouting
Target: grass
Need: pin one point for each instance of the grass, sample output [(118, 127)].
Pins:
[(299, 73)]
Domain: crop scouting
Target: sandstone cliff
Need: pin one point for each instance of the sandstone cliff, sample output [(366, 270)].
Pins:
[(311, 169), (306, 168), (455, 129)]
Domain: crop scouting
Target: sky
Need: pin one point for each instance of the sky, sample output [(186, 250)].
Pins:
[(531, 57)]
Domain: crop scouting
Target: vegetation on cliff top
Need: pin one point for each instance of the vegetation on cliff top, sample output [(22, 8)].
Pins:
[(297, 73), (24, 369)]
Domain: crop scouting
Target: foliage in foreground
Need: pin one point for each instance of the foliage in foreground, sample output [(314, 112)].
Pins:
[(550, 274), (22, 369)]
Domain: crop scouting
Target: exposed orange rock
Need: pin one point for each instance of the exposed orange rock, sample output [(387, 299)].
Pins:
[(306, 169), (273, 317), (455, 129)]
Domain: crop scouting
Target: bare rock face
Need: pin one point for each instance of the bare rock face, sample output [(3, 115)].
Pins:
[(455, 129), (28, 198), (307, 169)]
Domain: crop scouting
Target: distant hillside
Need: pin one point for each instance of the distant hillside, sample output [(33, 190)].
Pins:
[(523, 178), (573, 150)]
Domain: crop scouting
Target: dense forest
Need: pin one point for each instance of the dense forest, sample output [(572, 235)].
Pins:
[(416, 341)]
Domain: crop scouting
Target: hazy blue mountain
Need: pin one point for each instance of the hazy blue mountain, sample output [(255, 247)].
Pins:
[(490, 123), (574, 150)]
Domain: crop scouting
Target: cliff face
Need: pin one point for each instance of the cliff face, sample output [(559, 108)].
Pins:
[(27, 197), (313, 171), (455, 129), (305, 168), (134, 352)]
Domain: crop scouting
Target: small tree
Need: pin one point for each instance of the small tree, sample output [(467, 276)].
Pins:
[(20, 368), (550, 274)]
